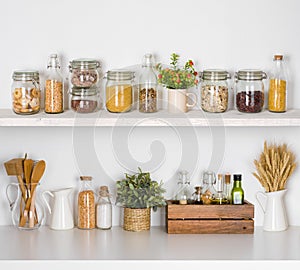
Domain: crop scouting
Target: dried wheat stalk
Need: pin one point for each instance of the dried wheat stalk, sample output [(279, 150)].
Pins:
[(274, 166)]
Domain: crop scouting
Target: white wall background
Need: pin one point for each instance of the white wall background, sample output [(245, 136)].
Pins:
[(229, 34)]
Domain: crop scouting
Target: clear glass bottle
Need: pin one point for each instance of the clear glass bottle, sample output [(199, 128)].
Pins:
[(183, 193), (208, 190), (85, 100), (228, 187), (119, 91), (54, 87), (249, 97), (220, 197), (26, 93), (196, 197), (148, 95), (214, 90), (237, 193), (86, 204), (104, 209), (278, 86)]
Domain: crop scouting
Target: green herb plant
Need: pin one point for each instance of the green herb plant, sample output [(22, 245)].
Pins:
[(176, 77), (139, 191)]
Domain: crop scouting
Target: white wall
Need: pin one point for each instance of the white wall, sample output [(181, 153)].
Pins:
[(230, 34)]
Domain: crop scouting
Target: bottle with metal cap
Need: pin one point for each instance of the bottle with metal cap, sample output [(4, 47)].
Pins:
[(237, 193), (249, 88), (54, 87), (278, 86), (119, 91), (214, 90), (26, 94)]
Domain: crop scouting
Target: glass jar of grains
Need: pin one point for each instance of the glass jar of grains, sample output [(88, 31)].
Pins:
[(249, 89), (119, 91), (85, 100), (214, 90), (26, 94), (86, 204)]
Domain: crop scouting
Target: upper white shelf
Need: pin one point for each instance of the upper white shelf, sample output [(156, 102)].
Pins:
[(195, 118)]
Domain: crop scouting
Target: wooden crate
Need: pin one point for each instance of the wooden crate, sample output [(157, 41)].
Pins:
[(191, 218)]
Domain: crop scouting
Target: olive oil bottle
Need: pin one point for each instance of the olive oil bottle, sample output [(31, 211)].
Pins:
[(237, 193)]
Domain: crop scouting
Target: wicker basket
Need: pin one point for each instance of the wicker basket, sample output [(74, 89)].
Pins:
[(137, 220)]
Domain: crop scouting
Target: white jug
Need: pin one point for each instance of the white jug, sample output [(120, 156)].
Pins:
[(275, 218), (61, 214)]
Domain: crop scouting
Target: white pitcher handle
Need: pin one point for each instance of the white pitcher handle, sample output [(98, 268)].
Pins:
[(194, 99), (45, 200), (12, 202), (263, 206)]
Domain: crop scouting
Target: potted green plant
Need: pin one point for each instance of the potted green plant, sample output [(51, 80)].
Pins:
[(177, 79), (138, 193)]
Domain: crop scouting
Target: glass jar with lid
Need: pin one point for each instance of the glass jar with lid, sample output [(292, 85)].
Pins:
[(84, 72), (214, 90), (249, 95), (26, 94), (208, 191), (119, 91), (85, 100)]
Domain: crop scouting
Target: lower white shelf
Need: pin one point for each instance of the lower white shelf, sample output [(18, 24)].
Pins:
[(156, 244)]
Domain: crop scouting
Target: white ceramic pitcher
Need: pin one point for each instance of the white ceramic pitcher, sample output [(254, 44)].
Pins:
[(275, 218), (61, 214)]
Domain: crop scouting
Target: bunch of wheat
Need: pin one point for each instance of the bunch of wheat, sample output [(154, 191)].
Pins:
[(275, 165)]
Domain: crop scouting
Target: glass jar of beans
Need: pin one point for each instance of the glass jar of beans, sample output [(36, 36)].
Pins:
[(26, 94), (214, 90), (85, 100), (249, 90)]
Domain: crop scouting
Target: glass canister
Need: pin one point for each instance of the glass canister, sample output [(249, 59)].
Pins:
[(26, 93), (86, 204), (84, 72), (85, 100), (119, 91), (250, 90), (214, 90)]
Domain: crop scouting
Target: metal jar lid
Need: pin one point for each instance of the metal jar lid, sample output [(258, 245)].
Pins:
[(84, 63), (26, 75), (92, 91), (120, 75), (215, 75), (251, 75)]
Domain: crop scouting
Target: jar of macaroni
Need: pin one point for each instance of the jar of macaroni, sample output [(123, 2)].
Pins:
[(26, 94), (119, 91)]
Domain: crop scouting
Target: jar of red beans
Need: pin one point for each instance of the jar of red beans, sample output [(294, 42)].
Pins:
[(85, 100), (249, 88)]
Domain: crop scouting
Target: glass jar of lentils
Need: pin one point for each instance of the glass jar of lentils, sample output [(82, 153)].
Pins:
[(214, 90), (249, 97)]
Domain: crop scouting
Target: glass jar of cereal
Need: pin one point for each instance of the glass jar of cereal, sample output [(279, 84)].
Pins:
[(26, 94)]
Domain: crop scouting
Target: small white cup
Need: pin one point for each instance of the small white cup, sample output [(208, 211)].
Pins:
[(178, 100)]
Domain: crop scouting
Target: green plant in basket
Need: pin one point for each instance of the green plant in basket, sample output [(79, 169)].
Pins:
[(140, 191), (176, 77)]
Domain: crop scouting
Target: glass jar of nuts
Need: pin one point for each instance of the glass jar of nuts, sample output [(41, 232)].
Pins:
[(214, 90), (26, 94), (249, 90), (86, 204), (119, 91)]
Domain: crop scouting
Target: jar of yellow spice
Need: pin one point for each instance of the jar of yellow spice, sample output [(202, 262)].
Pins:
[(119, 91)]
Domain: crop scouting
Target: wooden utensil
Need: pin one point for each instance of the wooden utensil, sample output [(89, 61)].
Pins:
[(37, 173), (28, 166)]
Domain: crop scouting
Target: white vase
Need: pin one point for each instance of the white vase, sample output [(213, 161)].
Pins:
[(178, 100)]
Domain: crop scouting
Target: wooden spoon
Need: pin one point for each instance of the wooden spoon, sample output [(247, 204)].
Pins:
[(28, 166), (36, 176)]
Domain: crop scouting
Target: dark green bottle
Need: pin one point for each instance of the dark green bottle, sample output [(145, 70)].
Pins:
[(237, 193)]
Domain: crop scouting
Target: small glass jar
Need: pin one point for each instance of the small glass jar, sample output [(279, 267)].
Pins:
[(84, 72), (26, 93), (250, 90), (86, 204), (208, 191), (214, 90), (119, 91), (85, 100), (104, 209)]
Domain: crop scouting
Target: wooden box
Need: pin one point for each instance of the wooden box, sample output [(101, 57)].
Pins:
[(192, 218)]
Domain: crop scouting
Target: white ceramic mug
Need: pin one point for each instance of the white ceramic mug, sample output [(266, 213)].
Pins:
[(178, 100)]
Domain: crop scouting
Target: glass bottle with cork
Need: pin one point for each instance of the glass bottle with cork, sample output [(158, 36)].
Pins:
[(86, 204), (278, 86), (54, 87), (237, 193), (104, 209), (148, 86), (220, 197), (228, 187)]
